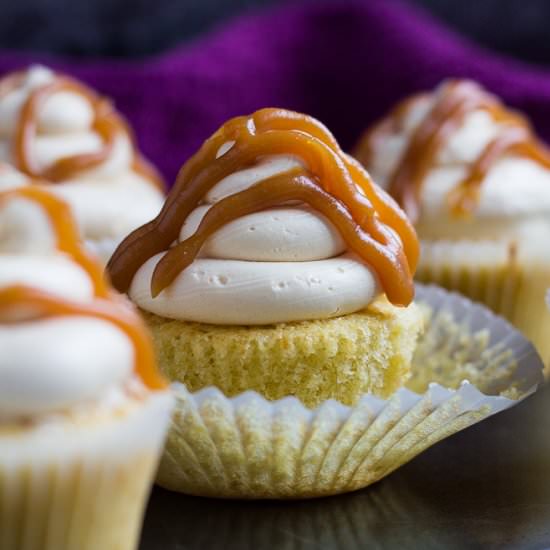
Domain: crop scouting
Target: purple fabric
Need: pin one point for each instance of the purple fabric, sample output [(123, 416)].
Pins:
[(343, 62)]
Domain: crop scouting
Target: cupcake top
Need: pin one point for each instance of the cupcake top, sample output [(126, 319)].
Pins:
[(65, 337), (269, 222), (56, 130), (460, 163)]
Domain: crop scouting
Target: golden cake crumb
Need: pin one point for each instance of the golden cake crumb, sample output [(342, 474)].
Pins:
[(340, 358)]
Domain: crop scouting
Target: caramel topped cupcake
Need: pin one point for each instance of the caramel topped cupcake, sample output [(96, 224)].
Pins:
[(476, 180), (83, 409), (278, 284), (57, 131), (276, 265)]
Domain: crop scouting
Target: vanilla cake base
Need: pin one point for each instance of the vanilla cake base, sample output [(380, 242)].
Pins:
[(341, 358)]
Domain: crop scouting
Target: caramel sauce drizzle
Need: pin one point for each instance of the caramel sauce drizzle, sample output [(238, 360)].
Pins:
[(65, 230), (107, 124), (456, 100), (43, 306), (106, 304), (332, 182)]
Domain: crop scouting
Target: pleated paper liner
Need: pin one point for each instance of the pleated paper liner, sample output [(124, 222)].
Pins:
[(80, 485), (511, 283), (248, 447)]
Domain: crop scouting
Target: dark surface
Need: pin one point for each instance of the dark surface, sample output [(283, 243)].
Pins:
[(122, 28), (487, 487)]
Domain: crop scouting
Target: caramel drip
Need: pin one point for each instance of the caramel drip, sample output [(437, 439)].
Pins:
[(65, 230), (105, 306), (107, 123), (456, 100), (296, 185), (370, 213), (43, 305)]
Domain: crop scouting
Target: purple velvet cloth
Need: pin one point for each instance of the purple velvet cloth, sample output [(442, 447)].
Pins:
[(343, 62)]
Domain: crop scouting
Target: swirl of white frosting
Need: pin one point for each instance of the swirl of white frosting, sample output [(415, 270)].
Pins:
[(29, 255), (48, 365), (56, 274), (57, 363), (109, 200), (278, 265), (513, 198), (25, 228)]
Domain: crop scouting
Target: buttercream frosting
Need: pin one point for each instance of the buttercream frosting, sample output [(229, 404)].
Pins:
[(54, 364), (282, 263), (54, 359), (110, 198), (513, 197), (278, 265)]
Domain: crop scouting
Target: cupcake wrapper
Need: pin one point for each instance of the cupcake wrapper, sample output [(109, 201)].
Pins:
[(248, 447), (66, 486), (511, 283)]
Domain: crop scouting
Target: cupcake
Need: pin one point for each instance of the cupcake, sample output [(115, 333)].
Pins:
[(276, 265), (83, 410), (58, 132), (475, 179), (277, 282)]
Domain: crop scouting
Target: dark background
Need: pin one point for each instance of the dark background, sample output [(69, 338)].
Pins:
[(130, 28)]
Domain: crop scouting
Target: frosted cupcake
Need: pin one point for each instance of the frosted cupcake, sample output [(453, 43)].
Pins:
[(276, 265), (56, 130), (83, 411), (277, 281), (476, 181)]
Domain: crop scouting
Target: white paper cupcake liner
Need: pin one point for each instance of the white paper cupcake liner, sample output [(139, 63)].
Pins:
[(248, 447), (508, 277), (68, 485)]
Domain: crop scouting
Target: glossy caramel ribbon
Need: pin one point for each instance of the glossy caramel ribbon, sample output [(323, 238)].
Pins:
[(453, 103), (331, 182), (106, 305), (107, 123)]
